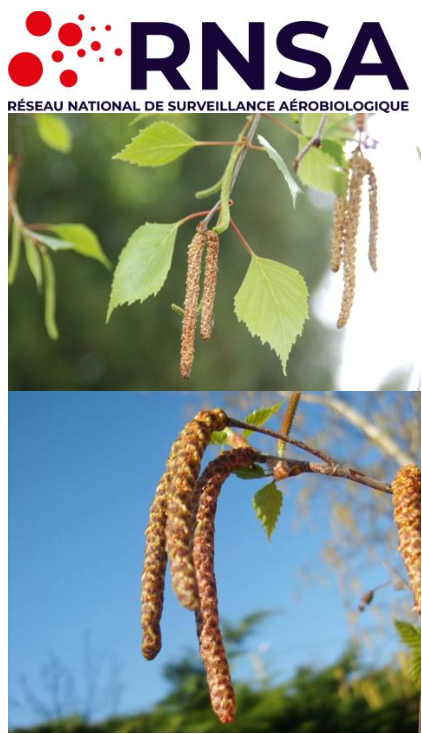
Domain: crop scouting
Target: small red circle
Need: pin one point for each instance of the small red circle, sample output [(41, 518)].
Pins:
[(101, 58), (57, 56), (68, 78), (38, 23), (81, 53), (93, 28), (108, 27), (81, 17), (25, 69), (70, 34), (118, 51), (95, 45)]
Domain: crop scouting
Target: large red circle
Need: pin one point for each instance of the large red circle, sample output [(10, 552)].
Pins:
[(70, 34), (68, 78), (95, 45), (38, 23), (25, 69)]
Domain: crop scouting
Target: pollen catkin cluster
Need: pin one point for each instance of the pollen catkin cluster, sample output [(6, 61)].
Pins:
[(210, 284), (337, 240), (181, 501), (210, 638), (288, 419), (155, 563), (193, 282), (407, 514), (373, 219)]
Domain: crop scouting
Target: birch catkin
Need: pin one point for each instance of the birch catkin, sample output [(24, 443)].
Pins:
[(155, 563), (193, 282), (181, 501), (210, 638), (210, 284), (373, 218), (337, 240), (358, 170), (288, 419), (407, 514)]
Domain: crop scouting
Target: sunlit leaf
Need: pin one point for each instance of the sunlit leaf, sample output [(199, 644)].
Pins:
[(273, 303), (83, 239), (157, 145), (267, 503), (143, 265), (261, 416), (54, 132)]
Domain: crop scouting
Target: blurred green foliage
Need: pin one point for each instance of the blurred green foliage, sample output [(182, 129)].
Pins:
[(340, 698), (140, 347)]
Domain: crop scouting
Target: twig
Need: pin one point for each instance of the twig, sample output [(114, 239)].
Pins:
[(314, 142), (284, 468), (386, 443), (244, 242), (234, 423), (248, 141), (282, 124)]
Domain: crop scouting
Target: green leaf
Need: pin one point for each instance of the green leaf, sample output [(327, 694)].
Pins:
[(15, 251), (320, 170), (267, 503), (54, 243), (143, 115), (222, 438), (415, 665), (50, 298), (226, 184), (261, 416), (157, 145), (54, 132), (143, 265), (410, 634), (334, 123), (33, 258), (83, 239), (335, 150), (273, 303), (278, 160), (254, 472)]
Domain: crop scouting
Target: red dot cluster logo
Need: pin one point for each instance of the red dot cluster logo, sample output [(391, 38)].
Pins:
[(68, 41)]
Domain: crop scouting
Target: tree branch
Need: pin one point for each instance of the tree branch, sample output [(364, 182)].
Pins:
[(248, 140), (234, 423), (286, 468), (314, 142), (380, 438)]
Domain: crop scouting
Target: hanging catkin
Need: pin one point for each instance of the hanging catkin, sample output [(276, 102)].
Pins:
[(193, 282), (288, 419), (373, 218), (407, 514), (210, 638), (337, 240), (361, 122), (358, 168), (181, 501), (210, 284), (155, 563)]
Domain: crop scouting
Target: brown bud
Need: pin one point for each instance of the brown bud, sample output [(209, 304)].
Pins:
[(210, 284), (193, 281), (210, 638), (181, 504), (407, 514)]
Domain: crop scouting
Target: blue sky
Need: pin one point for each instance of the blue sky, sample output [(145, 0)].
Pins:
[(83, 472)]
